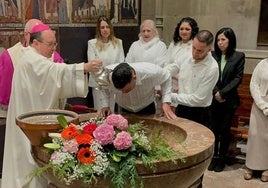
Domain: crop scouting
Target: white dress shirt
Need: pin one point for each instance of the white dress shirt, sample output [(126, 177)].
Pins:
[(148, 76), (176, 53), (196, 81)]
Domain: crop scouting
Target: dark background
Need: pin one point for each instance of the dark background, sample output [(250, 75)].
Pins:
[(73, 48), (73, 40)]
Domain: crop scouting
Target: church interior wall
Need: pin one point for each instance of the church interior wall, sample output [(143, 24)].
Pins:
[(241, 15)]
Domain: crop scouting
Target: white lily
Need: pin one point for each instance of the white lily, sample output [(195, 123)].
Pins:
[(54, 135)]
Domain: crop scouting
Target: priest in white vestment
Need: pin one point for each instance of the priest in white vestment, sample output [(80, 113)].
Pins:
[(37, 84), (8, 62)]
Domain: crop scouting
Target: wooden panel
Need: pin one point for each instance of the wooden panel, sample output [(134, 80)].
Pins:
[(241, 120), (245, 97)]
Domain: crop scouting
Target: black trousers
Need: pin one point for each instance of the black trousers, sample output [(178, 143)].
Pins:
[(148, 110), (222, 116), (200, 115)]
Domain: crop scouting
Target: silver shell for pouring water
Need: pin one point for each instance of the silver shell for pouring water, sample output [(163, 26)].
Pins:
[(102, 77)]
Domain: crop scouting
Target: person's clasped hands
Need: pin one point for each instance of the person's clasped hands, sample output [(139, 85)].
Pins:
[(93, 66), (219, 98)]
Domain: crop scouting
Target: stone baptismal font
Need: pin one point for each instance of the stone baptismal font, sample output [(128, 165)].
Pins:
[(195, 141)]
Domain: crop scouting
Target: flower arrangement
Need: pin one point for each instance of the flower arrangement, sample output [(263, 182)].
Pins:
[(104, 147)]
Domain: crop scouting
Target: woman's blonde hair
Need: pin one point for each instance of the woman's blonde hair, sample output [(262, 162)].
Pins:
[(112, 38)]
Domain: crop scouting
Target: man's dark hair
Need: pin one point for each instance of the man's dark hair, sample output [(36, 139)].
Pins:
[(122, 75), (205, 36)]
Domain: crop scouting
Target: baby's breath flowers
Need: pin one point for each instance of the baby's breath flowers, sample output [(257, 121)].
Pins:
[(103, 147), (79, 155)]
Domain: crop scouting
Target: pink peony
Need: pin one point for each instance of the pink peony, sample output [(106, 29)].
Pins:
[(123, 141), (104, 134), (117, 121), (70, 146)]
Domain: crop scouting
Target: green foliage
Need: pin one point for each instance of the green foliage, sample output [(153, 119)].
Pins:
[(124, 171), (160, 148), (148, 146), (39, 171)]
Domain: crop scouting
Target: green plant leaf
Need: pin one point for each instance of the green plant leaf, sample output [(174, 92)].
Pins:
[(120, 153), (116, 158), (62, 121)]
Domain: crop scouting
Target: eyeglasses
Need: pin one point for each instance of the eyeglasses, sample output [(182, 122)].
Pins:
[(49, 44)]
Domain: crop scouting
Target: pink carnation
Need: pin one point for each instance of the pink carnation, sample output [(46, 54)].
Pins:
[(70, 146), (117, 121), (123, 141), (104, 134)]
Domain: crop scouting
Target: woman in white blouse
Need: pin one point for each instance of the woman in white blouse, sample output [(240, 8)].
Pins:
[(106, 47), (149, 47), (181, 45)]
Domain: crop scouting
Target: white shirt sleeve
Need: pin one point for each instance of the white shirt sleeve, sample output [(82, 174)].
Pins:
[(196, 84), (91, 50)]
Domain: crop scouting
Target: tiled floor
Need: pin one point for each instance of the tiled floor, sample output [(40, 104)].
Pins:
[(231, 177)]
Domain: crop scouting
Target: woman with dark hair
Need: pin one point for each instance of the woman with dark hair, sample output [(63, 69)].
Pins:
[(182, 39), (181, 46), (225, 95), (106, 47), (180, 36)]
